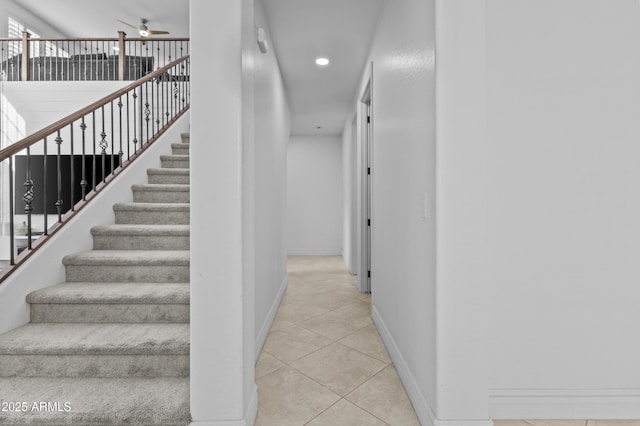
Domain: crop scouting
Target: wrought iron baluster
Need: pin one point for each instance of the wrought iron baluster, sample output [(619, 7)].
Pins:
[(103, 146), (147, 111), (28, 197), (72, 183), (83, 181), (128, 135), (120, 105), (12, 230), (135, 133), (44, 189), (93, 155), (58, 203), (112, 138)]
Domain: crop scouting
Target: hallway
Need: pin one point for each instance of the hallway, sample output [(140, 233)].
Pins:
[(323, 362)]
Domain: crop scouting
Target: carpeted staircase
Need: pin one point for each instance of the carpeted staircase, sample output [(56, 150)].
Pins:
[(110, 346)]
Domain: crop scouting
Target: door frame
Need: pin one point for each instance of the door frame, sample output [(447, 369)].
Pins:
[(364, 155)]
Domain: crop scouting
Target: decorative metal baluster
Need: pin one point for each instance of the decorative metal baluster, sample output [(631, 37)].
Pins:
[(44, 189), (83, 181), (112, 139), (128, 135), (141, 112), (28, 197), (72, 184), (120, 153), (147, 111), (93, 160), (135, 134), (154, 116), (12, 230), (59, 177), (103, 145)]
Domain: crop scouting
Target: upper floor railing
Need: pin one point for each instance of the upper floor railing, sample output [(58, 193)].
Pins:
[(47, 177), (54, 59)]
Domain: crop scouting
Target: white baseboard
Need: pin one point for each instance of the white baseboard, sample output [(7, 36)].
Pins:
[(314, 251), (564, 403), (261, 337), (249, 418), (420, 403)]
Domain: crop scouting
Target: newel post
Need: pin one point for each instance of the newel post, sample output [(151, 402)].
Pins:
[(121, 55), (26, 54)]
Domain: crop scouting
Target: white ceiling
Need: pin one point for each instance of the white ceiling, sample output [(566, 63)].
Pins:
[(301, 30)]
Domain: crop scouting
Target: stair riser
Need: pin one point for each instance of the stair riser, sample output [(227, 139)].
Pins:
[(150, 218), (174, 164), (180, 149), (140, 242), (185, 138), (142, 196), (109, 313), (127, 273), (94, 365), (168, 179)]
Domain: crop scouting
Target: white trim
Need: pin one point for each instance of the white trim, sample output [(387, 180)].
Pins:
[(249, 418), (420, 403), (564, 403), (261, 337), (315, 251)]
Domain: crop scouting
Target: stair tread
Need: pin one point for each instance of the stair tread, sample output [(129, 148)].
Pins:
[(129, 257), (141, 229), (112, 293), (174, 157), (165, 171), (162, 187), (93, 339), (151, 206), (100, 401)]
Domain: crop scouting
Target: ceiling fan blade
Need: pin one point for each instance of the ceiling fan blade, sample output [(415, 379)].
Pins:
[(153, 32), (132, 26)]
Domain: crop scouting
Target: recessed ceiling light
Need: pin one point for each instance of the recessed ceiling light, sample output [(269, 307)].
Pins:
[(323, 62)]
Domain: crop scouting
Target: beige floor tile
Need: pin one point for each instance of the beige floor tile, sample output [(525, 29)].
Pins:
[(345, 413), (367, 340), (560, 423), (279, 323), (333, 325), (293, 342), (338, 367), (289, 398), (510, 423), (267, 364), (384, 397), (613, 422), (335, 299), (294, 312), (356, 311)]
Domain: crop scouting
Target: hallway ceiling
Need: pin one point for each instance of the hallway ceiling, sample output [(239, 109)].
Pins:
[(301, 30), (340, 30)]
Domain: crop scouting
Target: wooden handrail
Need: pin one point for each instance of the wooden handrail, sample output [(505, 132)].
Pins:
[(41, 134)]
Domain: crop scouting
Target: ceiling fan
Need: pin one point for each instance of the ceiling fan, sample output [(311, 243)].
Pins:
[(143, 30)]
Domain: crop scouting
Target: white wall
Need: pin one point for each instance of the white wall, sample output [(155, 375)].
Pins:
[(272, 128), (403, 240), (563, 132), (314, 195), (349, 194)]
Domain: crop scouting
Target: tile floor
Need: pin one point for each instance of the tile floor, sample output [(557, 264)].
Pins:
[(323, 362)]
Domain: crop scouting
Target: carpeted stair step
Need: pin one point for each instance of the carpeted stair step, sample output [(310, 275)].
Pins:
[(95, 350), (185, 137), (128, 266), (174, 161), (98, 401), (152, 213), (168, 176), (111, 303), (160, 193), (180, 149), (140, 237)]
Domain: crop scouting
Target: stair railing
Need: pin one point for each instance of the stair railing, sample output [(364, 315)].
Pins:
[(80, 59), (65, 165)]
